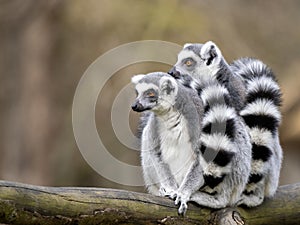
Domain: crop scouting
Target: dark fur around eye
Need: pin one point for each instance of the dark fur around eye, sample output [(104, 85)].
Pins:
[(153, 98)]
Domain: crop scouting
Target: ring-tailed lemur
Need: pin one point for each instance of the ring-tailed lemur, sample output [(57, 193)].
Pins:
[(218, 175), (170, 137), (256, 95)]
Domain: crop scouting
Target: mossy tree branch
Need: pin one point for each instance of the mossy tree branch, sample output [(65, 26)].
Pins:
[(28, 204)]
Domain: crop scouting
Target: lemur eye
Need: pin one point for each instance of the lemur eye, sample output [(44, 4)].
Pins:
[(188, 62)]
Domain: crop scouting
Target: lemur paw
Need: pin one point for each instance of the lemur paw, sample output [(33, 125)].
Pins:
[(182, 209), (182, 199), (167, 192)]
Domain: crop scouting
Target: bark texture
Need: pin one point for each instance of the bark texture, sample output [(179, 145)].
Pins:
[(29, 204)]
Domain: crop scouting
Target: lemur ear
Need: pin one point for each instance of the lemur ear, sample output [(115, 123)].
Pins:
[(187, 45), (167, 85), (209, 52), (135, 79)]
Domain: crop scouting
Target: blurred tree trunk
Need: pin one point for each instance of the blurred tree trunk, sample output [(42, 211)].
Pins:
[(27, 39)]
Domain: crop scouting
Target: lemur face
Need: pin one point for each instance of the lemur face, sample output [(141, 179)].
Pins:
[(155, 92), (147, 97), (200, 61)]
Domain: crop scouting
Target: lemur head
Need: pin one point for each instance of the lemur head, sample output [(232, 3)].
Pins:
[(201, 61), (155, 91)]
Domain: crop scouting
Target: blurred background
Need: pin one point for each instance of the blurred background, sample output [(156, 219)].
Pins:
[(46, 46)]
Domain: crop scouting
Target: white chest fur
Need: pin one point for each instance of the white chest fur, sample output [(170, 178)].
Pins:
[(175, 144)]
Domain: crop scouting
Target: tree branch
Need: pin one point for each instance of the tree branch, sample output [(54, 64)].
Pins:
[(28, 204)]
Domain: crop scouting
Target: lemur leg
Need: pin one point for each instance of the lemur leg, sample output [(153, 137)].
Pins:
[(155, 170), (191, 183), (158, 173), (151, 186), (253, 195), (219, 200)]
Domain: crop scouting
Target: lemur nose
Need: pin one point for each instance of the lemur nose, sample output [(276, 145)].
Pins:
[(174, 73), (136, 106)]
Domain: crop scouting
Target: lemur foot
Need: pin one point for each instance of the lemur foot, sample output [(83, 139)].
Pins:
[(167, 192), (182, 199)]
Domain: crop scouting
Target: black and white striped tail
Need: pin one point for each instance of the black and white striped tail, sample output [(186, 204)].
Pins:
[(218, 134), (218, 130), (261, 112)]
